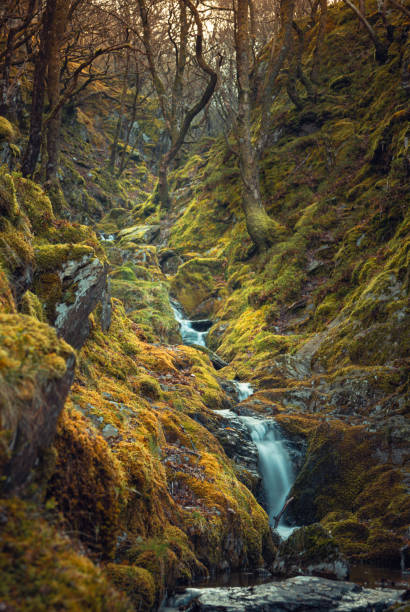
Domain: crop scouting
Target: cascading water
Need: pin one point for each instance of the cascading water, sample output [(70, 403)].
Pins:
[(192, 332), (243, 389), (275, 467)]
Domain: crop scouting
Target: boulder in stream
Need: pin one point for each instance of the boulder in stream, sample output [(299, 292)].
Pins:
[(311, 550)]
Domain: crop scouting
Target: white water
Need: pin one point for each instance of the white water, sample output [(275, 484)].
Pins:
[(187, 331), (275, 468), (275, 465), (243, 389)]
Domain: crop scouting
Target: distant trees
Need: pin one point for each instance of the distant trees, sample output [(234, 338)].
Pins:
[(179, 20)]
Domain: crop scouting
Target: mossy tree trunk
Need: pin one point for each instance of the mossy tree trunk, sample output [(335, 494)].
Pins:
[(258, 223)]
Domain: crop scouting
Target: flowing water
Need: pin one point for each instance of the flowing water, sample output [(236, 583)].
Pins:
[(243, 389), (192, 332), (275, 465)]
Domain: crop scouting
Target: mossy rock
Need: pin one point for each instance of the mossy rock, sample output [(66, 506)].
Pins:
[(136, 582), (7, 131), (311, 550), (196, 281)]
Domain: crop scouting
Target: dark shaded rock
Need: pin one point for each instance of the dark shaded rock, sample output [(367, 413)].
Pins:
[(201, 325), (311, 550), (36, 374), (302, 593), (216, 361), (169, 261), (235, 439), (84, 284), (106, 309)]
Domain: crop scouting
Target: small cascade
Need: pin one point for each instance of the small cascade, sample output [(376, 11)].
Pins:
[(243, 389), (192, 332), (275, 467)]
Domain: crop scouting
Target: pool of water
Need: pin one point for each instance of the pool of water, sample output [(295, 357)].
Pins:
[(365, 575)]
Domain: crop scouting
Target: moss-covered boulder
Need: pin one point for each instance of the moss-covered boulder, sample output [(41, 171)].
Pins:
[(311, 550), (36, 372), (198, 285)]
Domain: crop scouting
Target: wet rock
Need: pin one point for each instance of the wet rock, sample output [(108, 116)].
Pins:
[(84, 284), (169, 261), (311, 550), (296, 594), (235, 439)]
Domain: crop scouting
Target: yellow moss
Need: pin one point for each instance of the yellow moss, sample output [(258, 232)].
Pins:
[(136, 582), (43, 570), (31, 305), (50, 257), (7, 131)]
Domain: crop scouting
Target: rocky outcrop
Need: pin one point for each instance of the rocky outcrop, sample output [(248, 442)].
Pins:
[(36, 372), (311, 550), (71, 280), (85, 280), (296, 594)]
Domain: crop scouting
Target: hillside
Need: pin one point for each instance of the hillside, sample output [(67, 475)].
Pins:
[(120, 479)]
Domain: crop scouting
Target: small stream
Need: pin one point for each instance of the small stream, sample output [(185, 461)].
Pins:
[(192, 332), (275, 465)]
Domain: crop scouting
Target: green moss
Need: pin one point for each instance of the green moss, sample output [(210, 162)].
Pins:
[(43, 570), (7, 131), (35, 203), (136, 582), (51, 257), (31, 305)]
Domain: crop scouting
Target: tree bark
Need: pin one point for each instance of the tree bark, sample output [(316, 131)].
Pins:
[(258, 223), (114, 148), (32, 151), (56, 35), (279, 53)]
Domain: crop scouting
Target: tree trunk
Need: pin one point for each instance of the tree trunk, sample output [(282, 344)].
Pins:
[(162, 190), (56, 34), (114, 148), (381, 52), (258, 224), (317, 53), (32, 151)]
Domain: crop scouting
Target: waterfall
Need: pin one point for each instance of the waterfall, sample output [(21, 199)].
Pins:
[(275, 467), (243, 389), (192, 332)]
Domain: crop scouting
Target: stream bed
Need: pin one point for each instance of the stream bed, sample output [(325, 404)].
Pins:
[(239, 591)]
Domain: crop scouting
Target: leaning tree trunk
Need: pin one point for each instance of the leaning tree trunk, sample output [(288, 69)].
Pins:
[(381, 51), (258, 223)]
